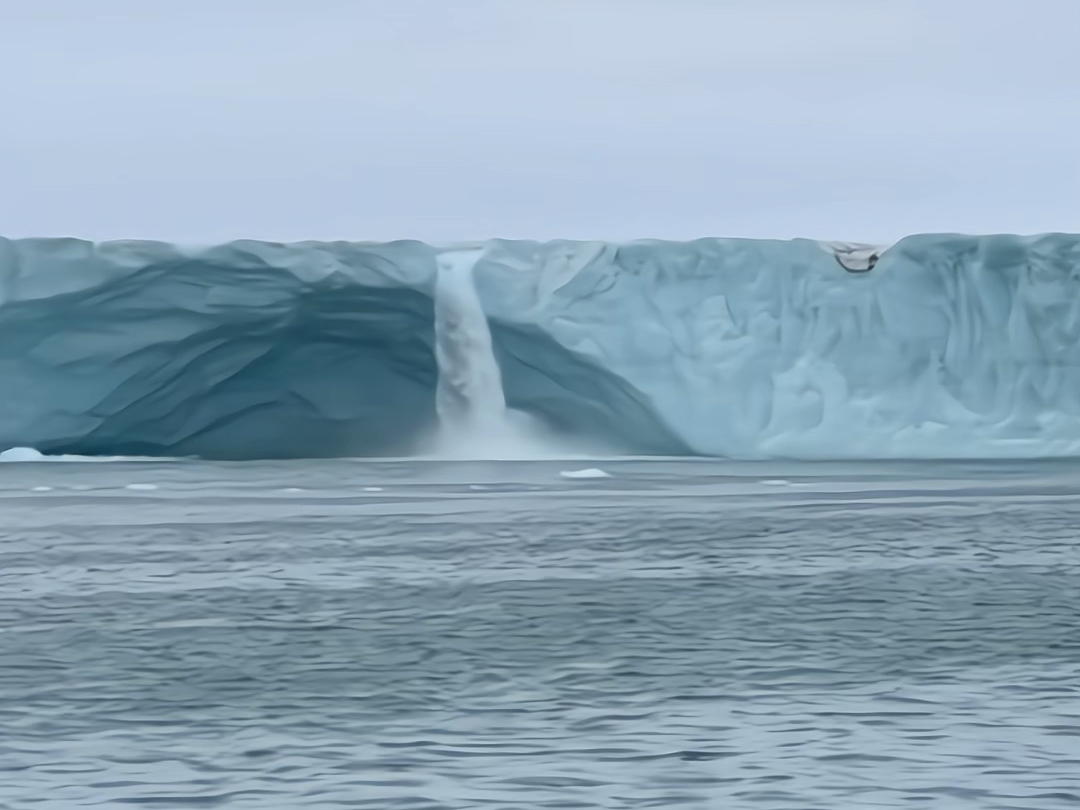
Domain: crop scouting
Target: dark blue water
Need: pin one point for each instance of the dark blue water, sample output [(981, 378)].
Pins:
[(432, 635)]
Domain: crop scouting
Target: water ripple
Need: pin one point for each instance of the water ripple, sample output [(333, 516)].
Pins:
[(670, 643)]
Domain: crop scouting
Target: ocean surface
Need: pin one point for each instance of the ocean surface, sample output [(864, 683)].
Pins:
[(422, 635)]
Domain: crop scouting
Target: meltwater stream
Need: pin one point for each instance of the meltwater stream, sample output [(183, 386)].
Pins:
[(474, 421), (469, 398)]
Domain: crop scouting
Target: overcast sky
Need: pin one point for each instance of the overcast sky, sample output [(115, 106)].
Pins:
[(207, 120)]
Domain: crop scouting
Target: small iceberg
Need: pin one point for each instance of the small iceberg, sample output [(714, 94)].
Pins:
[(30, 454), (21, 454), (592, 472)]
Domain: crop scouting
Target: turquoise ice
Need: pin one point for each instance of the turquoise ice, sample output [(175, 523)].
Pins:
[(938, 346)]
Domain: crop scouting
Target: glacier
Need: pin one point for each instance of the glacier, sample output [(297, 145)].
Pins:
[(937, 346)]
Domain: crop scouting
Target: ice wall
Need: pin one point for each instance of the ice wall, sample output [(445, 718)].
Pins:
[(938, 346), (948, 346)]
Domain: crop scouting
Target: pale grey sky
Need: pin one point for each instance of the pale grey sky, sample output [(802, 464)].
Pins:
[(207, 120)]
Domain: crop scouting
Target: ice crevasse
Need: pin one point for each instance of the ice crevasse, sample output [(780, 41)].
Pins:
[(939, 346)]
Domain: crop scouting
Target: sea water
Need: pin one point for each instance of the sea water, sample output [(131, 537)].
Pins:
[(434, 634)]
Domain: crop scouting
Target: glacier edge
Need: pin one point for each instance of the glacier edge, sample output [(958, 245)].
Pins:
[(940, 346)]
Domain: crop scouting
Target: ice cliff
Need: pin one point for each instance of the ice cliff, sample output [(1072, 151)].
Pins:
[(940, 346)]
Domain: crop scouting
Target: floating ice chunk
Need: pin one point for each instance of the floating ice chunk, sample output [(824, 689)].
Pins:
[(592, 472), (42, 489), (373, 489), (30, 454), (292, 489), (141, 487), (776, 482), (21, 454)]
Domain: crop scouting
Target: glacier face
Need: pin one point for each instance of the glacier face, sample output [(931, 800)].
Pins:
[(939, 346)]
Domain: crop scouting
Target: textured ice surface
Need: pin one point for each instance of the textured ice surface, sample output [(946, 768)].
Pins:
[(940, 346)]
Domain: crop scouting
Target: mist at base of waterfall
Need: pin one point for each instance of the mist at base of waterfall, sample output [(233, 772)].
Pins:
[(514, 436)]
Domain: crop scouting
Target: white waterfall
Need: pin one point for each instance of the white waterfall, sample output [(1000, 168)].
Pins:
[(474, 421)]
